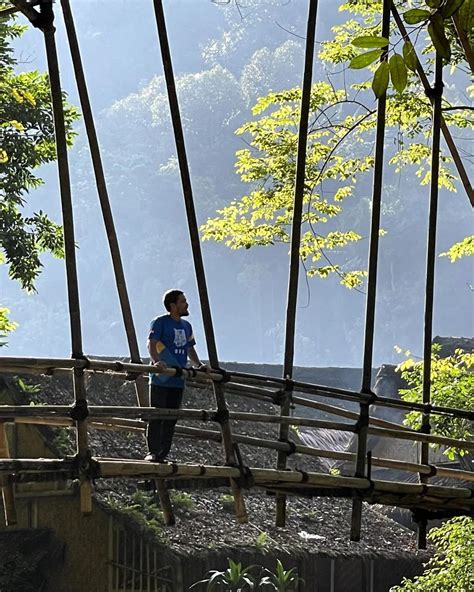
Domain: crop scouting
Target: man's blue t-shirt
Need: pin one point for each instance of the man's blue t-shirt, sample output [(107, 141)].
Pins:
[(173, 340)]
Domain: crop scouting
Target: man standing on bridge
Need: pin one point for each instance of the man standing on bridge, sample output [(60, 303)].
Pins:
[(170, 344)]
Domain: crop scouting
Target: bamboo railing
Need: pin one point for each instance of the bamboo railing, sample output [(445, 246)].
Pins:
[(432, 498)]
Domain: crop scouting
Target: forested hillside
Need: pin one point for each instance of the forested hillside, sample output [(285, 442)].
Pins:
[(226, 56)]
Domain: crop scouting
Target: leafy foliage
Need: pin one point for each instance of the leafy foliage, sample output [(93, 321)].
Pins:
[(239, 579), (281, 580), (339, 151), (143, 511), (234, 579), (437, 16), (452, 385), (452, 567), (464, 248), (6, 325), (26, 142)]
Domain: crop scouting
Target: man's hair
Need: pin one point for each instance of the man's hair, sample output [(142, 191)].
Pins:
[(171, 297)]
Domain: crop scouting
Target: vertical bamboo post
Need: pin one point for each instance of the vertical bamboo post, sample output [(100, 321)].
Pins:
[(8, 495), (165, 502), (363, 422), (47, 26), (240, 509), (295, 244), (119, 274), (430, 273)]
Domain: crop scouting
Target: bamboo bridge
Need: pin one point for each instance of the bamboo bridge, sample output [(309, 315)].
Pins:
[(426, 499)]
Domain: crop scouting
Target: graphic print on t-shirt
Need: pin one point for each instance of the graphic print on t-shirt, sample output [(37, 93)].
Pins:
[(180, 338)]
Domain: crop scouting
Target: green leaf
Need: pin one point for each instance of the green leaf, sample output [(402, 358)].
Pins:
[(433, 3), (409, 55), (380, 81), (364, 59), (451, 7), (368, 41), (398, 72), (466, 15), (416, 15), (438, 36)]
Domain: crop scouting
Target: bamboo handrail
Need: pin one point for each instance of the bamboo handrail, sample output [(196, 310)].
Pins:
[(119, 424), (10, 411), (110, 468), (262, 394), (13, 364)]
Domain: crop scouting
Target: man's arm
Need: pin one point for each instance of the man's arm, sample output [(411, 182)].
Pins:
[(194, 358), (151, 344)]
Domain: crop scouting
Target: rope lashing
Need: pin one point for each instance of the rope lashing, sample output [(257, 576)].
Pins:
[(220, 416), (292, 446), (246, 479), (86, 467), (304, 476), (174, 468), (279, 397), (226, 376), (178, 369), (79, 411)]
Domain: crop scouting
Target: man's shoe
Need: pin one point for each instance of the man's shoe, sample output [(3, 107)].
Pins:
[(150, 457)]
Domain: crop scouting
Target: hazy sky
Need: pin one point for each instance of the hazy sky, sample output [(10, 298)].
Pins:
[(247, 289)]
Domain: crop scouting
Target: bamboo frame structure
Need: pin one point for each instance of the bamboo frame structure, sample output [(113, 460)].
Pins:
[(9, 412), (410, 495), (48, 29), (430, 273), (435, 499), (293, 275), (363, 421), (112, 238), (132, 425), (49, 365), (229, 451)]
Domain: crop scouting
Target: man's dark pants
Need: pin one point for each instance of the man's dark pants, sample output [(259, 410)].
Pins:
[(160, 431)]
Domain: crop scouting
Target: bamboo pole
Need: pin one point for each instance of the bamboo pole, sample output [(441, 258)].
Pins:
[(117, 424), (230, 457), (363, 421), (438, 471), (430, 275), (12, 364), (47, 26), (9, 412), (165, 502), (294, 479), (31, 14), (267, 395), (444, 128), (293, 275), (8, 494), (112, 239), (464, 42)]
